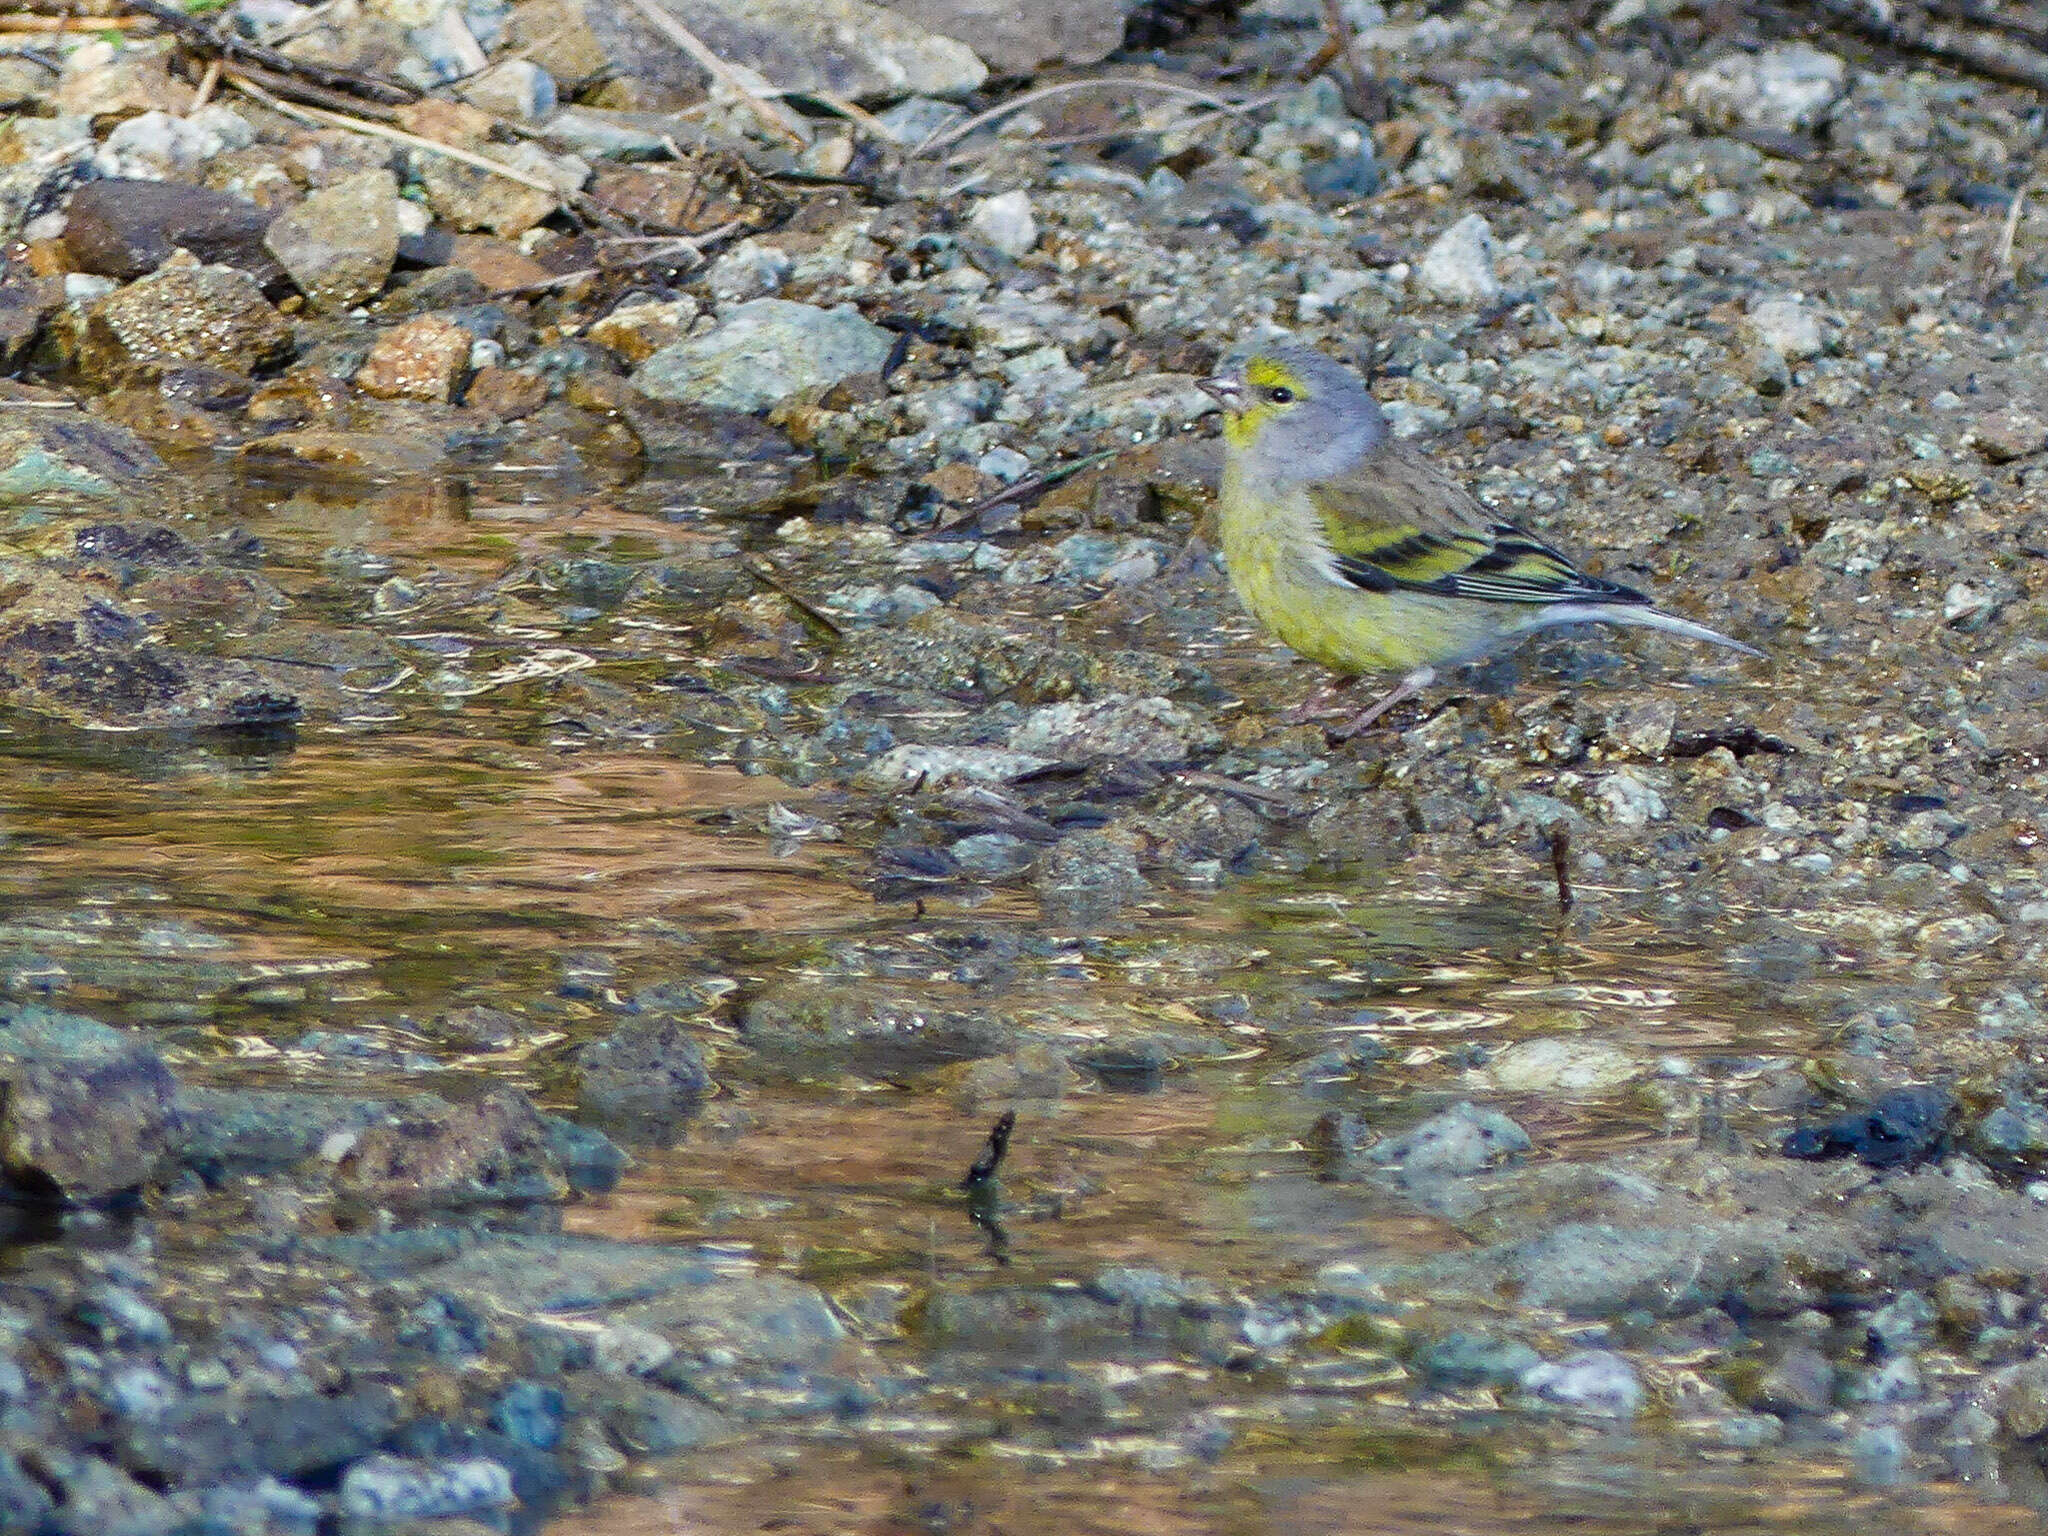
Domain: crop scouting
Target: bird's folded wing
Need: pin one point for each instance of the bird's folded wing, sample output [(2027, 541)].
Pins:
[(1397, 524)]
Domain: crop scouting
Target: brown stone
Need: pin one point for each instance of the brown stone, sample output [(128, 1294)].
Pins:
[(637, 331), (506, 394), (182, 313), (174, 426), (699, 194), (124, 229), (300, 397), (2011, 434), (423, 359), (488, 1151), (960, 485), (602, 394), (498, 264), (26, 301), (446, 122)]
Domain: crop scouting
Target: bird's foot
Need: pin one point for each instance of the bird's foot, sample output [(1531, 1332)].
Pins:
[(1410, 686), (1320, 705)]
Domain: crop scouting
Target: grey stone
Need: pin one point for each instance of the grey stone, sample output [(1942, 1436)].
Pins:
[(765, 351), (757, 1321), (2009, 434), (1458, 266), (395, 1488), (1788, 327), (1023, 39), (1463, 1139), (823, 47), (919, 767), (1121, 728), (648, 1420), (468, 197), (1595, 1381), (1786, 88), (993, 855), (1476, 1360), (1006, 222), (1087, 879), (750, 270), (645, 1069), (821, 1029), (1802, 1381), (85, 1111), (95, 1499), (41, 159), (339, 244), (517, 88)]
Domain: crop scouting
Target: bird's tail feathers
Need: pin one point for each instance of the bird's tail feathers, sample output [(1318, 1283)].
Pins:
[(1645, 617)]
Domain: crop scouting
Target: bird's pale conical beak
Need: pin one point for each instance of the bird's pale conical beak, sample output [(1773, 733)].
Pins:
[(1228, 392)]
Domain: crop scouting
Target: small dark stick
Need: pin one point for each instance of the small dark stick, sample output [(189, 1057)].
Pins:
[(984, 1169), (1560, 862)]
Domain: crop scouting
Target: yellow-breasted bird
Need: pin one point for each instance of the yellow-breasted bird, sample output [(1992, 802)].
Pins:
[(1361, 554)]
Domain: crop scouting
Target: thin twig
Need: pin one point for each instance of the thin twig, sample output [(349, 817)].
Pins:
[(1560, 861), (16, 21), (1045, 480), (207, 84), (326, 118), (1363, 98), (980, 120), (1256, 794), (774, 116), (306, 94), (204, 35), (2001, 250), (805, 610), (1179, 125), (669, 245), (1987, 54)]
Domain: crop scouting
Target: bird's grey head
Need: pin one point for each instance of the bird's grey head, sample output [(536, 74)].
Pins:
[(1297, 415)]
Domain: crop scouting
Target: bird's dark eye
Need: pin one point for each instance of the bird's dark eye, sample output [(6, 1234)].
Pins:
[(1280, 394)]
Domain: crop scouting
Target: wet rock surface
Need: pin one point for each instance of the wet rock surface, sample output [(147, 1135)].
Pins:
[(596, 685)]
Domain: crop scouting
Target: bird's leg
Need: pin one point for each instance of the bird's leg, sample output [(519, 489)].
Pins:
[(1318, 704), (1409, 687)]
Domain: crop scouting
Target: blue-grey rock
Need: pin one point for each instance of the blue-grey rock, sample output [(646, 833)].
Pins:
[(96, 1499), (217, 1435), (531, 1413), (25, 1504), (265, 1130), (395, 1488), (646, 1069), (765, 351), (87, 1110), (590, 1160), (1475, 1360), (992, 855), (1463, 1139), (1596, 1381), (648, 1420), (63, 454)]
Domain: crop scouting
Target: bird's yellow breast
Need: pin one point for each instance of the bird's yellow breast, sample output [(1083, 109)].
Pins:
[(1274, 548)]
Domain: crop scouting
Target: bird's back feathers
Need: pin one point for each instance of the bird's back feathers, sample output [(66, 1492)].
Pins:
[(1397, 522)]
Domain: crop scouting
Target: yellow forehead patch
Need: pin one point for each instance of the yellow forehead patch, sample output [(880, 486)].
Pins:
[(1265, 373)]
